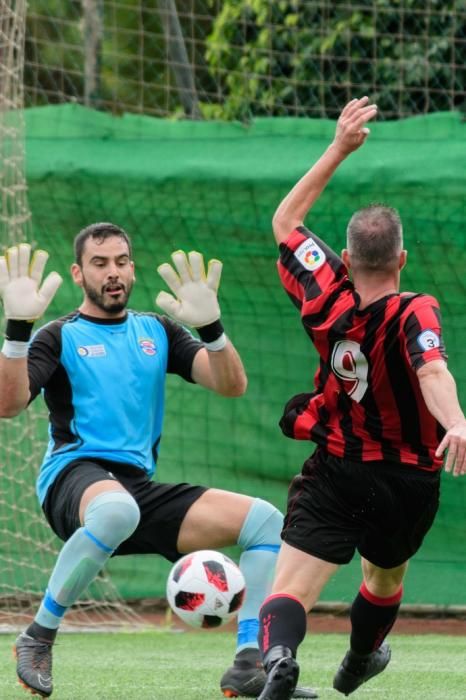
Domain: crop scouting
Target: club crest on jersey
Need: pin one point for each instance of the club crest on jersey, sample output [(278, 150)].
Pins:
[(91, 350), (428, 340), (147, 346), (310, 255)]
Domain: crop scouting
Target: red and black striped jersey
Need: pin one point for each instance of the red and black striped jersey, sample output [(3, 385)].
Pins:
[(367, 403)]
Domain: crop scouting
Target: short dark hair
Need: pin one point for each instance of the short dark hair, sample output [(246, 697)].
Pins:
[(375, 238), (98, 232)]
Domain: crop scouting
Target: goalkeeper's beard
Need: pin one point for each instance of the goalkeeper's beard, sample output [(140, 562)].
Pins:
[(109, 305)]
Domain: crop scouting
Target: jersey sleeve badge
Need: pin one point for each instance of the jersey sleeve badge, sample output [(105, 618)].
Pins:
[(428, 340), (310, 255)]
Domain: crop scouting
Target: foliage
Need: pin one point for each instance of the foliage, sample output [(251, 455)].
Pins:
[(294, 57), (55, 55), (255, 57), (53, 51)]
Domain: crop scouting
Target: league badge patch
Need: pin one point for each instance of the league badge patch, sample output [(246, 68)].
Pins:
[(310, 255)]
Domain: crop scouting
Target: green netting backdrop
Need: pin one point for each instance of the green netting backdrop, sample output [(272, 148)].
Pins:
[(213, 187)]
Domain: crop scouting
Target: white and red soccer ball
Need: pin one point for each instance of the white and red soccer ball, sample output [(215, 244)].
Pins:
[(205, 589)]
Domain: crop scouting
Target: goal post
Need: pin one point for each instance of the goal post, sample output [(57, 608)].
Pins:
[(15, 217)]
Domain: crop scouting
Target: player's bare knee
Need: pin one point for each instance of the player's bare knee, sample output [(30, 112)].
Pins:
[(383, 582)]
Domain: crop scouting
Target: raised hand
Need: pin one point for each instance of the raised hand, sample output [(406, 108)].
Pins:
[(195, 301), (20, 277), (350, 132)]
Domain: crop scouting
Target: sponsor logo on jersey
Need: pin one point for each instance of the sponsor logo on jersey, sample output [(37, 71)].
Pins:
[(92, 350), (428, 340), (310, 255), (147, 346)]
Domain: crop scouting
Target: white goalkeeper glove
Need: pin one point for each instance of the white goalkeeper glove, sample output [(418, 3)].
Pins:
[(195, 302), (20, 278)]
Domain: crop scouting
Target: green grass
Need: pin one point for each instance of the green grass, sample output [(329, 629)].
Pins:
[(187, 666)]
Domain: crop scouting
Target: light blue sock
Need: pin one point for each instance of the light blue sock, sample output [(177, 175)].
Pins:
[(110, 518), (260, 540)]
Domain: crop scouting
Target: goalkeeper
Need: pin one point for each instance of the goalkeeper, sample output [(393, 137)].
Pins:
[(102, 371)]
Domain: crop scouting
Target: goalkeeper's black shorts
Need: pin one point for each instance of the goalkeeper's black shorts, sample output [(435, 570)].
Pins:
[(382, 510), (163, 506)]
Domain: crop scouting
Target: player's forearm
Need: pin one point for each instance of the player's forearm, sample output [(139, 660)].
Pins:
[(222, 371), (439, 392), (350, 135), (227, 371), (14, 386), (292, 211)]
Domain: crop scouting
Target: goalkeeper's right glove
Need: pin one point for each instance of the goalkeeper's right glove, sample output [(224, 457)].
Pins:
[(195, 302), (20, 278)]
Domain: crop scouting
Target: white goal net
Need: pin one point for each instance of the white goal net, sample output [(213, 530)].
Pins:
[(28, 548)]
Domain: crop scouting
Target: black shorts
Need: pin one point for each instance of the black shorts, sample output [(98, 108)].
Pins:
[(163, 506), (336, 507)]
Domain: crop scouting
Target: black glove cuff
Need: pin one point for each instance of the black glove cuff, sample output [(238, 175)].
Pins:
[(211, 332), (18, 330)]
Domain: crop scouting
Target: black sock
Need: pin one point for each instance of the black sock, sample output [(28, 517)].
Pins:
[(42, 634), (372, 619), (282, 622)]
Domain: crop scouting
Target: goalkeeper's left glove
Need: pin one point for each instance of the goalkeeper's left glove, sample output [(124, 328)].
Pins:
[(23, 296), (195, 302)]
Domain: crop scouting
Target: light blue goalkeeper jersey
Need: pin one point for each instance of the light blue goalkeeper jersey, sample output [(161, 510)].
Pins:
[(104, 383)]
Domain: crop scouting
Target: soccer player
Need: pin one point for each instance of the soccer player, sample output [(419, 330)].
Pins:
[(383, 411), (102, 371)]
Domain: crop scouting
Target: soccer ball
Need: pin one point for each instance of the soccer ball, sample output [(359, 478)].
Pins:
[(205, 589)]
